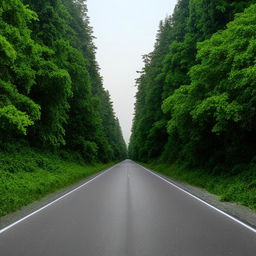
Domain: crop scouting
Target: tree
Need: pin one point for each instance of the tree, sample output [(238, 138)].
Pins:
[(53, 82), (18, 54)]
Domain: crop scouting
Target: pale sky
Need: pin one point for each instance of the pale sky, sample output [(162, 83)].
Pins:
[(125, 30)]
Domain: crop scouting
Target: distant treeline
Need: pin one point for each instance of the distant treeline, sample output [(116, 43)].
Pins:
[(51, 92), (196, 99)]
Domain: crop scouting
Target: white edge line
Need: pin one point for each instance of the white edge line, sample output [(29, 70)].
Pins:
[(202, 201), (56, 200)]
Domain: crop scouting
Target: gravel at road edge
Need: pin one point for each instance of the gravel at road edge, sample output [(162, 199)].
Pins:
[(240, 212)]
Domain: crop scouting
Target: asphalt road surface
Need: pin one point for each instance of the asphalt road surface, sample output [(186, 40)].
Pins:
[(128, 211)]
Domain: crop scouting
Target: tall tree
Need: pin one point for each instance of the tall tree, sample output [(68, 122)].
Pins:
[(53, 82), (218, 105)]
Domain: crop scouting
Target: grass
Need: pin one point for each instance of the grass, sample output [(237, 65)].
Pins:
[(238, 187), (27, 176)]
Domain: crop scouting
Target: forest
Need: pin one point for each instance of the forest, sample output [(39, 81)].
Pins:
[(54, 109), (52, 95), (186, 182), (195, 107)]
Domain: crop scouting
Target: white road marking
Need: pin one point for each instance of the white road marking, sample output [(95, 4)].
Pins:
[(202, 201), (56, 200), (86, 183)]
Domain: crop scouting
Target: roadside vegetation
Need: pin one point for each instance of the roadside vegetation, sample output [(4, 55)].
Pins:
[(196, 102), (27, 175), (57, 123)]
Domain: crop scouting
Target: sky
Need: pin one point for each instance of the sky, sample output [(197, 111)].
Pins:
[(125, 30)]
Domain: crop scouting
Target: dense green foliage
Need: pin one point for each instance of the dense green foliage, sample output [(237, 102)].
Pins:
[(196, 96), (51, 92)]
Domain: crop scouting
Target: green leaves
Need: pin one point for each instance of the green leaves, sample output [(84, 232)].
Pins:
[(221, 95), (226, 72), (220, 109), (17, 110), (10, 116), (7, 50)]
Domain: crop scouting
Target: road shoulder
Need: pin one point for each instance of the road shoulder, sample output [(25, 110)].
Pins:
[(29, 209), (240, 212)]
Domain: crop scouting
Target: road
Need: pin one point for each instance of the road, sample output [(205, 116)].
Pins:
[(128, 211)]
